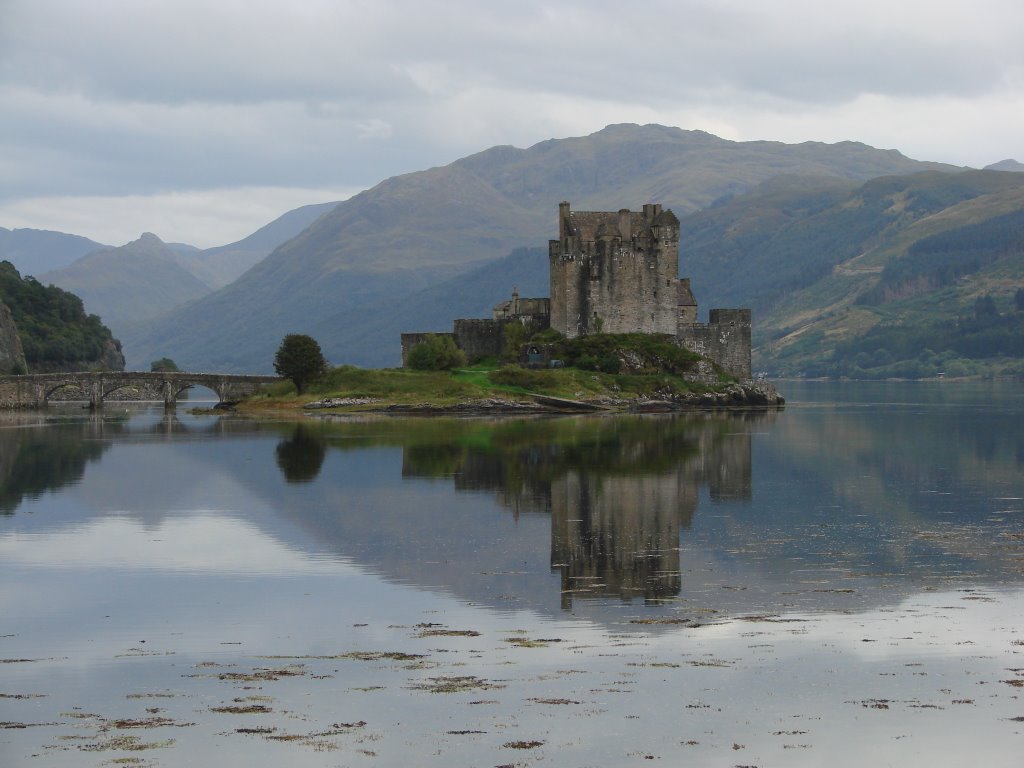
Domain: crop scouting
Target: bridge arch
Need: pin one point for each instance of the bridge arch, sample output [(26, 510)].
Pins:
[(48, 390), (178, 389), (34, 390)]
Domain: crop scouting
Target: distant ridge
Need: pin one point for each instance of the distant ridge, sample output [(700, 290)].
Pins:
[(1006, 165), (129, 284), (223, 264), (413, 231), (35, 251)]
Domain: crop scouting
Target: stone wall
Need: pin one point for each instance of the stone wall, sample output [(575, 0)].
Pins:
[(480, 338), (18, 391), (724, 339), (615, 272)]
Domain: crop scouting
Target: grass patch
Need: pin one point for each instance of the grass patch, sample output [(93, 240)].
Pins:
[(601, 366)]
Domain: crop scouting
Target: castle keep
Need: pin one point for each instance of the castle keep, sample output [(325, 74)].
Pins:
[(614, 272)]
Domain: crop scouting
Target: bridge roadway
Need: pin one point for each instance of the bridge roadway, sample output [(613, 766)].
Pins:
[(33, 390)]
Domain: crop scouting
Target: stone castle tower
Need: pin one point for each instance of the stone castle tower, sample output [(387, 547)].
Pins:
[(615, 272)]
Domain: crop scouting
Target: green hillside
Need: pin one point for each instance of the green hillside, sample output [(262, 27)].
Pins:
[(901, 276), (56, 333), (877, 279)]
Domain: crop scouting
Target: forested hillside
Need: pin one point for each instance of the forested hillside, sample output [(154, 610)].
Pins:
[(902, 276), (55, 331)]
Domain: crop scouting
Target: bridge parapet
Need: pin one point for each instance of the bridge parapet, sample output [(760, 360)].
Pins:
[(34, 390)]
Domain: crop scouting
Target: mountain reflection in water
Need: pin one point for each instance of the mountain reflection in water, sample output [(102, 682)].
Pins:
[(818, 507)]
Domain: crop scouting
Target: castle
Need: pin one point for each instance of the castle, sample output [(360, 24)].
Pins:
[(614, 272)]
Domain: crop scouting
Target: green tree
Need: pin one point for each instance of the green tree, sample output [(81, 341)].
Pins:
[(163, 364), (985, 307), (515, 335), (436, 353), (299, 358)]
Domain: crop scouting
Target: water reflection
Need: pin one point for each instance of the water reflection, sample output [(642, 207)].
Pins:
[(39, 454), (301, 456), (850, 505), (830, 506), (618, 490)]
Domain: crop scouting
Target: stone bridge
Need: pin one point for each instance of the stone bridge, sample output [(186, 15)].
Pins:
[(34, 390)]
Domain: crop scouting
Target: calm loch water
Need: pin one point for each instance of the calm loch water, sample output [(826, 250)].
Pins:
[(840, 582)]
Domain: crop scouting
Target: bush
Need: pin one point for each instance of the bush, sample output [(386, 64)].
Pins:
[(647, 353), (163, 364), (547, 336), (436, 353)]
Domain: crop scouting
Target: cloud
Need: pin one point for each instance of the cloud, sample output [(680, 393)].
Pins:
[(197, 543), (148, 98)]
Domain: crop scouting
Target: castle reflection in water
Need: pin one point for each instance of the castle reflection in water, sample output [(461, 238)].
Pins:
[(619, 492)]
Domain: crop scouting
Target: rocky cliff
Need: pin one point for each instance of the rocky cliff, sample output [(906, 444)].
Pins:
[(12, 356)]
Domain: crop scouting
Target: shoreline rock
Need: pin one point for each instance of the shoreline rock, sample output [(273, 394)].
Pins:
[(743, 395)]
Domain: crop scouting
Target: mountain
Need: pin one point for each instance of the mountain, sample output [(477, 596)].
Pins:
[(414, 231), (879, 279), (130, 284), (217, 267), (35, 251), (1006, 165), (780, 249), (372, 334)]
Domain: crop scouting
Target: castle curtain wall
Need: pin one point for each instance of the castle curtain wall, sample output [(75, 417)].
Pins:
[(725, 339)]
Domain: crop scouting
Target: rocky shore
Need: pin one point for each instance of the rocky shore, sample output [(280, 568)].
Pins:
[(760, 394)]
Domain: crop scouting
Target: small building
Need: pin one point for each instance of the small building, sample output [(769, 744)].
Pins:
[(524, 310)]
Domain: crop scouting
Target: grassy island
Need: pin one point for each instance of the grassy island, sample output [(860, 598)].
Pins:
[(600, 371)]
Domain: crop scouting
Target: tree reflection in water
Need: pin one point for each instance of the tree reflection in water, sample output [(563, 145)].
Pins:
[(38, 455), (301, 456)]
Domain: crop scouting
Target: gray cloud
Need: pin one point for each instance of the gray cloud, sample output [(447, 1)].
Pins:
[(132, 97)]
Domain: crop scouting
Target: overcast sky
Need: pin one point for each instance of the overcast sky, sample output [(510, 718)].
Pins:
[(201, 120)]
